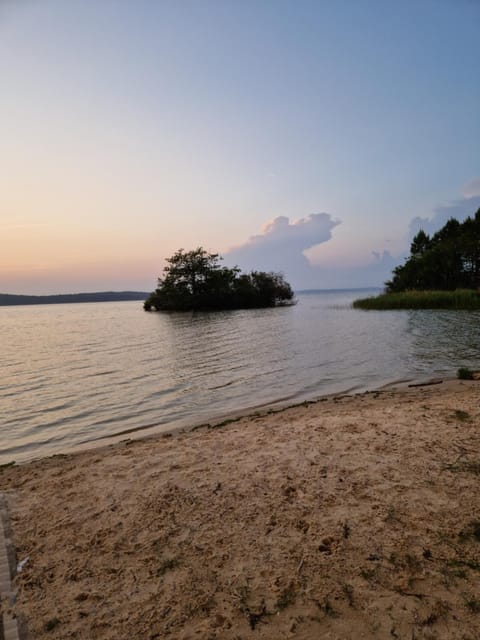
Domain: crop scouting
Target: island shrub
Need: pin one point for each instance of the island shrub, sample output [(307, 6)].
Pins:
[(464, 373), (196, 281)]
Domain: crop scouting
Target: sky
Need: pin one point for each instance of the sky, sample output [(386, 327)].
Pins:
[(308, 137)]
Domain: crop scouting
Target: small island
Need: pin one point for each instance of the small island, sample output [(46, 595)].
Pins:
[(442, 271), (196, 281)]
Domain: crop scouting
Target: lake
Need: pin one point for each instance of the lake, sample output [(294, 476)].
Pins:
[(78, 374)]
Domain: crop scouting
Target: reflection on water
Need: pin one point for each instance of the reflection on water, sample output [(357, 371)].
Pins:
[(79, 373), (441, 339)]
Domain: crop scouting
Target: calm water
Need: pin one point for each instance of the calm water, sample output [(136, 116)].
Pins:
[(81, 373)]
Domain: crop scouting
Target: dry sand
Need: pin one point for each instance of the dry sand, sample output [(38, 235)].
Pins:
[(353, 517)]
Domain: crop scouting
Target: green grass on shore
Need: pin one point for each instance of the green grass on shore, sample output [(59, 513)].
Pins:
[(459, 299)]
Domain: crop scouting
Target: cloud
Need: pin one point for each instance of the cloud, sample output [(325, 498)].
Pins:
[(472, 188), (281, 244), (458, 209), (373, 274), (302, 234)]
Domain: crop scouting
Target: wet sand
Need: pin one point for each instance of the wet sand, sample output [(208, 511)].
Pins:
[(352, 517)]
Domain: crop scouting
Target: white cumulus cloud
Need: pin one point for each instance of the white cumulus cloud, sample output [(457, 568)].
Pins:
[(280, 246)]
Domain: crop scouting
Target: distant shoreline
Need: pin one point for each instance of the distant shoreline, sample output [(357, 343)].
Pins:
[(10, 299), (7, 299)]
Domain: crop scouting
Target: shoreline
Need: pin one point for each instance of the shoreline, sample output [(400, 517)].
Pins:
[(353, 516), (140, 433)]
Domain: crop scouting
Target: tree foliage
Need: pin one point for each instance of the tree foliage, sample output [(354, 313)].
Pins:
[(448, 260), (195, 280)]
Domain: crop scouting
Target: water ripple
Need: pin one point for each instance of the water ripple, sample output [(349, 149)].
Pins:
[(90, 372)]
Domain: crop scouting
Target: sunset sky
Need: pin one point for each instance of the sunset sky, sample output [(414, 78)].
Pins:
[(313, 137)]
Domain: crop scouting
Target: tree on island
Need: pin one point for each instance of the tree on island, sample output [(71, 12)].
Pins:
[(196, 281), (448, 260)]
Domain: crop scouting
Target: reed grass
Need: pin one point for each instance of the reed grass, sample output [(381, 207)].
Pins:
[(459, 299)]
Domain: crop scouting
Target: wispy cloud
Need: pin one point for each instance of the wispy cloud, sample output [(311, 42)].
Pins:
[(472, 188), (458, 209), (22, 225)]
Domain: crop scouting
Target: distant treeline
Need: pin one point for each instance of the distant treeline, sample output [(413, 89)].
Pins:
[(442, 271), (7, 299), (448, 260)]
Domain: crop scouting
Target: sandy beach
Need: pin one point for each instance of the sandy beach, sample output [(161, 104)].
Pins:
[(351, 517)]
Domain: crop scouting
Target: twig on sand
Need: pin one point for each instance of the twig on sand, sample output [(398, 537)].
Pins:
[(425, 384)]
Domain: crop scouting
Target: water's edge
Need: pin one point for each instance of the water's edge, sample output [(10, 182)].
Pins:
[(79, 374)]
